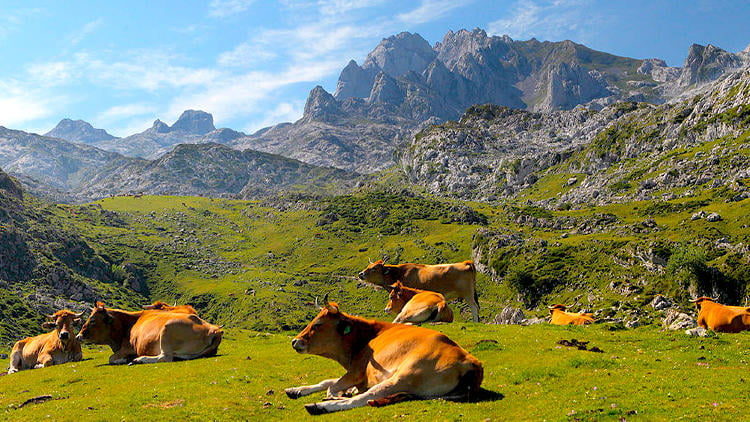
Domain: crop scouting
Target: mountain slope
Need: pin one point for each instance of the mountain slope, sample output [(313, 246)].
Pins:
[(45, 265)]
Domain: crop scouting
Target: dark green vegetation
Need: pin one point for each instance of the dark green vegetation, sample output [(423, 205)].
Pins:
[(643, 374)]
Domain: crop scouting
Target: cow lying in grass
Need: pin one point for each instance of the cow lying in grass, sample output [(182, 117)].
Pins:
[(150, 336), (163, 306), (417, 306), (561, 317), (722, 318), (54, 348), (386, 362), (451, 280)]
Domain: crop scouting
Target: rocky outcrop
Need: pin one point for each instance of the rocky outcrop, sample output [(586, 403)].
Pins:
[(78, 131), (194, 122)]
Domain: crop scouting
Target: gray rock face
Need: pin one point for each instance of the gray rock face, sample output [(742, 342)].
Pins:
[(400, 54), (660, 303), (78, 131), (194, 122), (698, 332), (707, 63)]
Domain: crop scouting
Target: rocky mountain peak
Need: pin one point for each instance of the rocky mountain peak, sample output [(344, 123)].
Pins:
[(354, 81), (321, 105), (159, 127), (78, 131), (401, 53), (706, 63), (195, 122)]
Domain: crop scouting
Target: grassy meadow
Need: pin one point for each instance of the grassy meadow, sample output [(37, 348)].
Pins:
[(642, 374)]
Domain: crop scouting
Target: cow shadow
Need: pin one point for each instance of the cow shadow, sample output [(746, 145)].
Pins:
[(482, 395)]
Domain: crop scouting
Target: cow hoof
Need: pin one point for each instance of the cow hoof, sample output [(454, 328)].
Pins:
[(314, 409), (292, 393)]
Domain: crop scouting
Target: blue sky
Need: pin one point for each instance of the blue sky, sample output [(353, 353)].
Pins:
[(251, 63)]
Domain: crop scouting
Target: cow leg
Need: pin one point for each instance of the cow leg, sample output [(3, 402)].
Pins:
[(44, 361), (16, 361), (384, 389), (415, 317), (472, 301), (297, 392)]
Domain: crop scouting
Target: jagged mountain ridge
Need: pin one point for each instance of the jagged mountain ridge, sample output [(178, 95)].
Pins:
[(407, 83)]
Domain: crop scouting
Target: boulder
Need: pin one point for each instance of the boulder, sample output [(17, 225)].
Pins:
[(660, 303), (713, 217), (676, 320), (510, 316), (698, 332)]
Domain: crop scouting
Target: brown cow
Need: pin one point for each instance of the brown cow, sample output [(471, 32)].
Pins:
[(386, 362), (452, 280), (54, 348), (417, 306), (150, 336), (561, 317), (722, 318), (162, 306)]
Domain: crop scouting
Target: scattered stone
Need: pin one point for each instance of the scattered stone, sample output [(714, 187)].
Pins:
[(660, 302), (713, 217), (510, 316), (572, 181), (534, 321), (676, 320), (580, 345), (633, 323), (650, 223), (697, 332), (698, 215), (3, 356), (270, 393)]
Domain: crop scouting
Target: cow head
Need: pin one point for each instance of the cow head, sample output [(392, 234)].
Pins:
[(375, 273), (62, 322), (98, 327), (557, 307), (396, 298), (324, 333), (702, 299)]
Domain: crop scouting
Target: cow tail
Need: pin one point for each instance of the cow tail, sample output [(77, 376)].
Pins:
[(473, 268)]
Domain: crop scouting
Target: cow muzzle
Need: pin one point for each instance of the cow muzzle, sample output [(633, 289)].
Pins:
[(64, 335), (361, 275), (299, 345)]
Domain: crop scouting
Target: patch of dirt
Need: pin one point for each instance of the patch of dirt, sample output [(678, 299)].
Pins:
[(167, 404), (580, 345)]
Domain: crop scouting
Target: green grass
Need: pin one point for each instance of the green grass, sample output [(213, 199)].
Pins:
[(643, 374)]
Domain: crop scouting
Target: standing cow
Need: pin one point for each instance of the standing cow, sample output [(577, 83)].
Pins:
[(150, 336), (451, 280), (417, 306), (722, 318), (163, 306), (386, 362), (54, 348)]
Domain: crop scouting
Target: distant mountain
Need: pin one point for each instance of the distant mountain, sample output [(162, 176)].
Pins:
[(192, 127), (404, 84), (78, 131), (71, 172), (213, 170)]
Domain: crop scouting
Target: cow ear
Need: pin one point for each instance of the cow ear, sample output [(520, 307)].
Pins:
[(48, 325), (333, 308), (344, 327)]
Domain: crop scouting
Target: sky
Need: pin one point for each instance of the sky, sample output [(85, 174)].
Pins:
[(120, 65)]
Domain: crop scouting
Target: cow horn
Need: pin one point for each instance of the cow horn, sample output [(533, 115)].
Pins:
[(325, 299), (369, 260), (316, 302), (51, 316), (175, 303), (716, 299), (80, 315), (693, 300)]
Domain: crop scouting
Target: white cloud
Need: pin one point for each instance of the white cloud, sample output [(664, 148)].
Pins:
[(284, 112), (225, 8), (85, 31), (430, 10), (21, 104), (547, 20), (246, 55), (126, 111)]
